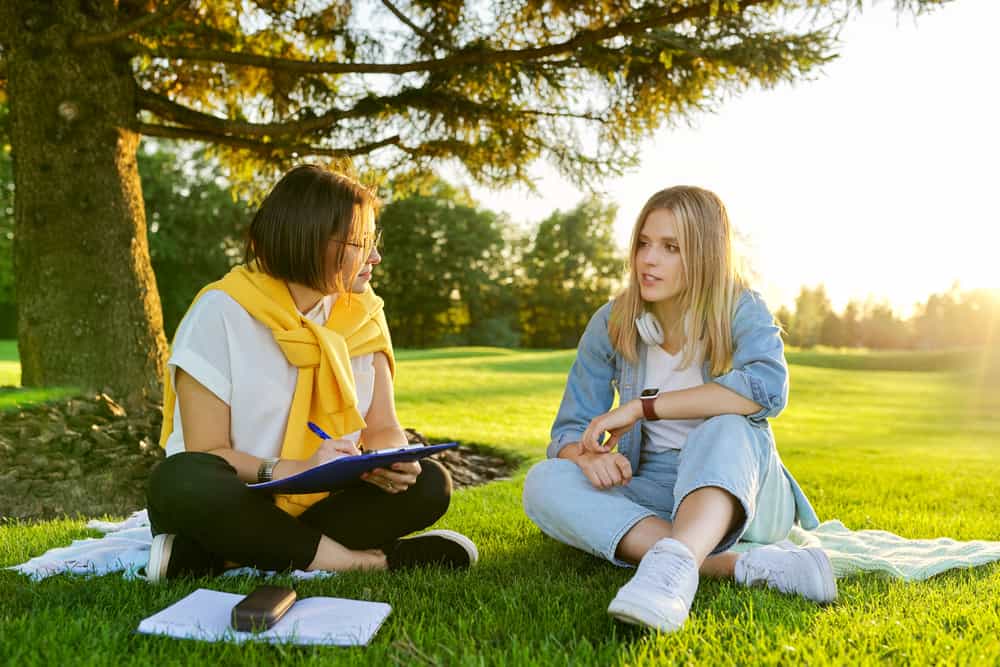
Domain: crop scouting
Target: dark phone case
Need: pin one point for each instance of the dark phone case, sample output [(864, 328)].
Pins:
[(262, 608)]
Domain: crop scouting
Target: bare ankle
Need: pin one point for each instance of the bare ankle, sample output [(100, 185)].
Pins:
[(335, 557)]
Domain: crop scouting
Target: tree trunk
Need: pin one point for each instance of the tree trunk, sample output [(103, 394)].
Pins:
[(88, 310)]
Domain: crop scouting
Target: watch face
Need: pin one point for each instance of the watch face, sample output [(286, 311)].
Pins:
[(649, 393)]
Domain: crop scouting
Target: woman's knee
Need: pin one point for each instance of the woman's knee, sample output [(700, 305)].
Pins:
[(432, 491), (725, 451), (723, 437), (546, 483), (723, 425), (186, 478)]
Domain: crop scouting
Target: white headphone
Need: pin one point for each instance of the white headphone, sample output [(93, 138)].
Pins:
[(649, 328)]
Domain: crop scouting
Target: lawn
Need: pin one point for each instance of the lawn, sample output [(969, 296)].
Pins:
[(913, 452), (10, 369), (11, 394)]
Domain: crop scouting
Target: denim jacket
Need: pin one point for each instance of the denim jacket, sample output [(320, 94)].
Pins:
[(759, 373)]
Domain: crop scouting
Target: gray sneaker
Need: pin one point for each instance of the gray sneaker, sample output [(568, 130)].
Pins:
[(659, 595), (789, 569)]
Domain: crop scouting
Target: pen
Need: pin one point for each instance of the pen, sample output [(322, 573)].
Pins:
[(318, 431)]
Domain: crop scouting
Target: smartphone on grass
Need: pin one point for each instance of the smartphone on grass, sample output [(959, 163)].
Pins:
[(264, 607)]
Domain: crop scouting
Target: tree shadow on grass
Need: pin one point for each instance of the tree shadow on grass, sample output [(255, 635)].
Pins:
[(555, 361), (437, 353), (497, 359)]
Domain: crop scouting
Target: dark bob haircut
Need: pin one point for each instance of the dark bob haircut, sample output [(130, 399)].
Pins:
[(308, 207)]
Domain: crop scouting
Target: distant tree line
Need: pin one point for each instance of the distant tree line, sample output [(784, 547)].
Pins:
[(955, 318), (457, 274), (453, 273)]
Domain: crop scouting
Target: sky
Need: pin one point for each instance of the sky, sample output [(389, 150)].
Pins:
[(874, 179)]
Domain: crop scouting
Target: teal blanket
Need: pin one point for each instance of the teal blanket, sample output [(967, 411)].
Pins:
[(855, 551)]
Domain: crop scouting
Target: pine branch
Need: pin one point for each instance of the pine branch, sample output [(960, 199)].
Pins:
[(267, 148), (368, 106), (178, 113), (563, 114), (414, 27), (83, 40), (469, 56)]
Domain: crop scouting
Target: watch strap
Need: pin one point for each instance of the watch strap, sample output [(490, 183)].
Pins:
[(648, 412), (265, 472)]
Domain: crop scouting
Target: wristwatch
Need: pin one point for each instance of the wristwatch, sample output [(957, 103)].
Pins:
[(648, 397), (265, 473)]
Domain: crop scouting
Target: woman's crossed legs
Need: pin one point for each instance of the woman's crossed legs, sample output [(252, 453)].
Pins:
[(681, 513)]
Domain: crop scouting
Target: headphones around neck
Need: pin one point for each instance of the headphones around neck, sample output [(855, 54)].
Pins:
[(649, 328)]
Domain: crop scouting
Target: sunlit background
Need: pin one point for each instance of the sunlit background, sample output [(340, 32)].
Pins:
[(876, 179)]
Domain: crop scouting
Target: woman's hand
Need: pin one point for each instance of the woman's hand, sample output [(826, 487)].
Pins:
[(396, 479), (327, 451), (617, 423), (605, 469), (330, 450)]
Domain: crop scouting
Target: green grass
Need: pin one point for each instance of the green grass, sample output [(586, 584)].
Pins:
[(8, 350), (896, 360), (11, 393), (10, 368), (914, 452), (12, 397)]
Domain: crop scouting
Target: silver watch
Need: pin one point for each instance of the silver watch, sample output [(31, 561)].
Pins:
[(265, 473)]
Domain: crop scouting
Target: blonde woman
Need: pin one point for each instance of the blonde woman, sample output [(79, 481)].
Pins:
[(689, 466)]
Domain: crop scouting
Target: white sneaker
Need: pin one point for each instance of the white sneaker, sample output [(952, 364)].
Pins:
[(159, 557), (172, 556), (789, 569), (659, 595)]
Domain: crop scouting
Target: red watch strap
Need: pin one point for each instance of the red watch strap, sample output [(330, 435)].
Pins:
[(647, 408)]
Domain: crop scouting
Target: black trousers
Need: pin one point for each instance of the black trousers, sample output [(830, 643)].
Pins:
[(200, 497)]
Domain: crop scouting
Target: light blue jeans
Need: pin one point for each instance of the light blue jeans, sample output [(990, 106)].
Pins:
[(722, 452)]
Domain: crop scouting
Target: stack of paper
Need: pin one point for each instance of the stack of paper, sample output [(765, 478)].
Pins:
[(205, 615)]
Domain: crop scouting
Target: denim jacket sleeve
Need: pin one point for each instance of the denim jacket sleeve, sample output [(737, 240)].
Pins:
[(589, 390), (760, 372)]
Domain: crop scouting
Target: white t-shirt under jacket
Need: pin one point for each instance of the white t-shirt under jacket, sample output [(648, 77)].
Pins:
[(663, 373)]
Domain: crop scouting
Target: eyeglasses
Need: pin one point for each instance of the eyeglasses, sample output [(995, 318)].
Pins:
[(376, 244)]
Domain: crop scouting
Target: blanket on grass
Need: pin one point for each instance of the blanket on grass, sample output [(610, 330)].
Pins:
[(125, 547), (856, 551)]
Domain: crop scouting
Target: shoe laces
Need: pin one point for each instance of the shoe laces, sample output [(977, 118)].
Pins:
[(669, 567), (760, 571)]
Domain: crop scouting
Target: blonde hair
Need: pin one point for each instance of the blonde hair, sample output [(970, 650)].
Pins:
[(712, 279)]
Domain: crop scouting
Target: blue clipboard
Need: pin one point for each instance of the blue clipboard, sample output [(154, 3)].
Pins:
[(344, 471)]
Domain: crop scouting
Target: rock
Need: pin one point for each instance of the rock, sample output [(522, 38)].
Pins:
[(110, 406)]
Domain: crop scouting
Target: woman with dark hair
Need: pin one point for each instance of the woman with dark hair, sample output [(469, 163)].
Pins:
[(296, 334)]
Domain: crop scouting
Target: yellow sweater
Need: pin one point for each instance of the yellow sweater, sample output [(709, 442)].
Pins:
[(325, 391)]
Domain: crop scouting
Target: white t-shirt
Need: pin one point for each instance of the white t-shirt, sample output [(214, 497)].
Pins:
[(234, 356), (662, 372)]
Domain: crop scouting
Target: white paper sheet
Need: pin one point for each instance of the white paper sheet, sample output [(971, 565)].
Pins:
[(205, 615)]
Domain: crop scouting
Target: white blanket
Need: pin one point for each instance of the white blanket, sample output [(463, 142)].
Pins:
[(124, 547)]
